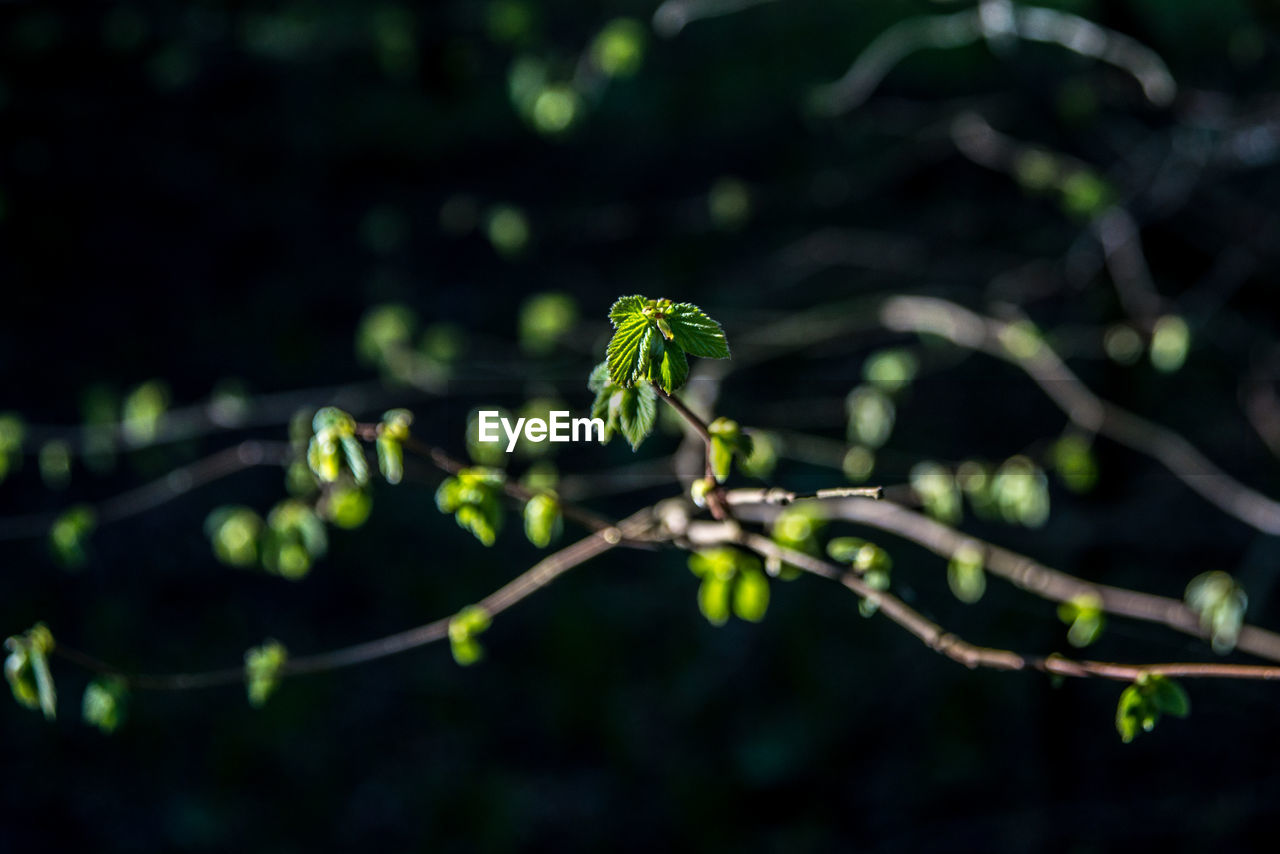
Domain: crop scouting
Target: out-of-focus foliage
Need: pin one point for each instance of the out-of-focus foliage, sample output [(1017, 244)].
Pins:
[(1143, 702), (262, 665), (473, 496), (27, 670), (464, 628), (103, 704), (1221, 602), (732, 584)]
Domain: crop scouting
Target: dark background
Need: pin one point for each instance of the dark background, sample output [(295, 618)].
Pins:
[(207, 191)]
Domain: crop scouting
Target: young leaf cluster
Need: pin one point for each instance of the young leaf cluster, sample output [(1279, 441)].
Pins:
[(868, 560), (392, 432), (653, 338), (27, 670), (629, 410), (1220, 601), (1085, 618), (965, 574), (464, 628), (262, 666), (542, 519), (1143, 702), (727, 441), (473, 496), (69, 536), (333, 443), (103, 705), (732, 582), (286, 544)]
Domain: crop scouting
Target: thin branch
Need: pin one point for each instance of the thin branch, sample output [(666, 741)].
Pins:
[(954, 647), (994, 20), (443, 461), (1084, 408), (674, 15), (1114, 228), (214, 416), (782, 497), (715, 500), (530, 581), (173, 485), (1028, 574)]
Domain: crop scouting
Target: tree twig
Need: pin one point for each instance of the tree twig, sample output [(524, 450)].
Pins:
[(530, 581), (1028, 574), (1084, 408)]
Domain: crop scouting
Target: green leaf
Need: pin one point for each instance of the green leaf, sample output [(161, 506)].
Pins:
[(721, 457), (396, 423), (599, 380), (103, 705), (1130, 713), (1169, 697), (628, 352), (965, 575), (463, 629), (751, 596), (347, 506), (142, 411), (1220, 602), (467, 651), (384, 330), (323, 460), (19, 675), (625, 308), (27, 670), (354, 454), (390, 458), (1145, 700), (695, 332), (542, 522), (763, 457), (636, 411), (262, 670), (234, 532), (331, 419), (672, 371), (544, 319), (1085, 617), (473, 497), (713, 599), (69, 536)]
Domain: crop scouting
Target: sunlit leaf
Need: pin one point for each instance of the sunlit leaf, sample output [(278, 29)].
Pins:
[(465, 626), (262, 671), (1220, 603), (965, 575), (751, 596), (871, 416), (628, 351), (143, 408), (27, 670), (618, 50), (103, 704), (544, 320), (234, 532), (1085, 618), (542, 521), (695, 332), (69, 536), (713, 599)]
